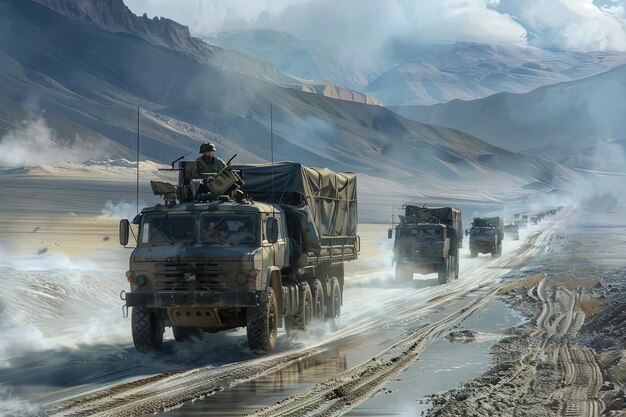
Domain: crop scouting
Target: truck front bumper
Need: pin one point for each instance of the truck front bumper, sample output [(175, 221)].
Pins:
[(191, 299)]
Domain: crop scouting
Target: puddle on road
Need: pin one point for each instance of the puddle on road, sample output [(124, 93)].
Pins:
[(250, 396), (443, 366)]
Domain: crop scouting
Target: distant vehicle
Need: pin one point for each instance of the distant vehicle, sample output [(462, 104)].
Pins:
[(222, 254), (525, 220), (516, 216), (486, 236), (427, 240), (534, 220), (511, 231)]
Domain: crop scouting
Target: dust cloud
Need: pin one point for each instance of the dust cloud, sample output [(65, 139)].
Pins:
[(33, 142)]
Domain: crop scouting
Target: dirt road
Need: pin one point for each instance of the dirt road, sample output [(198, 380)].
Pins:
[(388, 327)]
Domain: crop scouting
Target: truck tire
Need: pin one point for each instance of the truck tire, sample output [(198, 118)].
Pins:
[(317, 295), (187, 334), (261, 324), (500, 248), (404, 272), (147, 328), (301, 320), (333, 312), (443, 271), (456, 268)]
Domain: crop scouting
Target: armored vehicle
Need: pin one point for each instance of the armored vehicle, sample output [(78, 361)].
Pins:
[(512, 231), (427, 240), (256, 246), (486, 236)]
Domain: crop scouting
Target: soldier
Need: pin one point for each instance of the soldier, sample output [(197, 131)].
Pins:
[(208, 163)]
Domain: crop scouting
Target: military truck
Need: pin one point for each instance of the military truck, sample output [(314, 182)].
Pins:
[(256, 246), (512, 231), (486, 236), (427, 240), (535, 220)]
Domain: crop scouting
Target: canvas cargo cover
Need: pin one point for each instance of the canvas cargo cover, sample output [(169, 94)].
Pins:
[(446, 215), (330, 197)]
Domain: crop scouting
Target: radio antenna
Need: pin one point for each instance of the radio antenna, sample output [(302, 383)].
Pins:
[(272, 151), (393, 207), (137, 160)]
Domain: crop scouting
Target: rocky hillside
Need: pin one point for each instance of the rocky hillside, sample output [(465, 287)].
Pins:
[(87, 81), (114, 15)]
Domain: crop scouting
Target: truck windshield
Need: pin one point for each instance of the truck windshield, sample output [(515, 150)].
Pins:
[(167, 228), (484, 231), (229, 228), (423, 233)]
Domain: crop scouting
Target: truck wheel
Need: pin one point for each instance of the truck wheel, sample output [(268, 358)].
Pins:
[(147, 328), (456, 268), (443, 271), (473, 253), (333, 313), (261, 323), (317, 295), (500, 249), (187, 334), (301, 320)]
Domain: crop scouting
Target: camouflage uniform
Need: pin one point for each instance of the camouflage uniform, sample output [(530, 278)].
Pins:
[(213, 165)]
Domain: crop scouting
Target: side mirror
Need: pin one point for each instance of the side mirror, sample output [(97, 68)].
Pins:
[(124, 231), (271, 230), (389, 233), (466, 232)]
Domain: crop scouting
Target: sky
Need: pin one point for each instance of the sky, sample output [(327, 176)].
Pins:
[(582, 25)]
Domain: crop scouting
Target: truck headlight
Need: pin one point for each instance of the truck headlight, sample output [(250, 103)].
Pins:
[(242, 278), (140, 280)]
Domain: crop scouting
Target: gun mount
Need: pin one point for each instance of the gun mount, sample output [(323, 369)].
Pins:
[(196, 186)]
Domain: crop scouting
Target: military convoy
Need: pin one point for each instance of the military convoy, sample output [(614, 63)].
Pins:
[(486, 236), (427, 240), (264, 247), (256, 246)]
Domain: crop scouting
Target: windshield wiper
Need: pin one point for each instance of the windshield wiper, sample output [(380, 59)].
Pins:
[(163, 233)]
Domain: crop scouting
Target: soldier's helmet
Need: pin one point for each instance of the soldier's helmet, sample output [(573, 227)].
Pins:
[(207, 147)]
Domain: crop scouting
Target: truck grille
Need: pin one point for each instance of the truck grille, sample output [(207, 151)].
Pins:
[(186, 276)]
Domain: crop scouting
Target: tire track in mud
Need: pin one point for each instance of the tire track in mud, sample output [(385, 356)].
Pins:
[(170, 390), (581, 374), (166, 391), (348, 389)]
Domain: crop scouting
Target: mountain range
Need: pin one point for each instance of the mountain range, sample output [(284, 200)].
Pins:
[(87, 81), (579, 123), (406, 73)]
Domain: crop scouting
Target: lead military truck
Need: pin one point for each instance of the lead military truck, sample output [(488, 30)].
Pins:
[(256, 246), (427, 240)]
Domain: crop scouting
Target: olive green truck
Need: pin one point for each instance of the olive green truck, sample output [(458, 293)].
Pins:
[(255, 246)]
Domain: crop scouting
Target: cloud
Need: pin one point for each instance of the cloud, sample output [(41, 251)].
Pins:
[(367, 25), (32, 142), (570, 24)]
